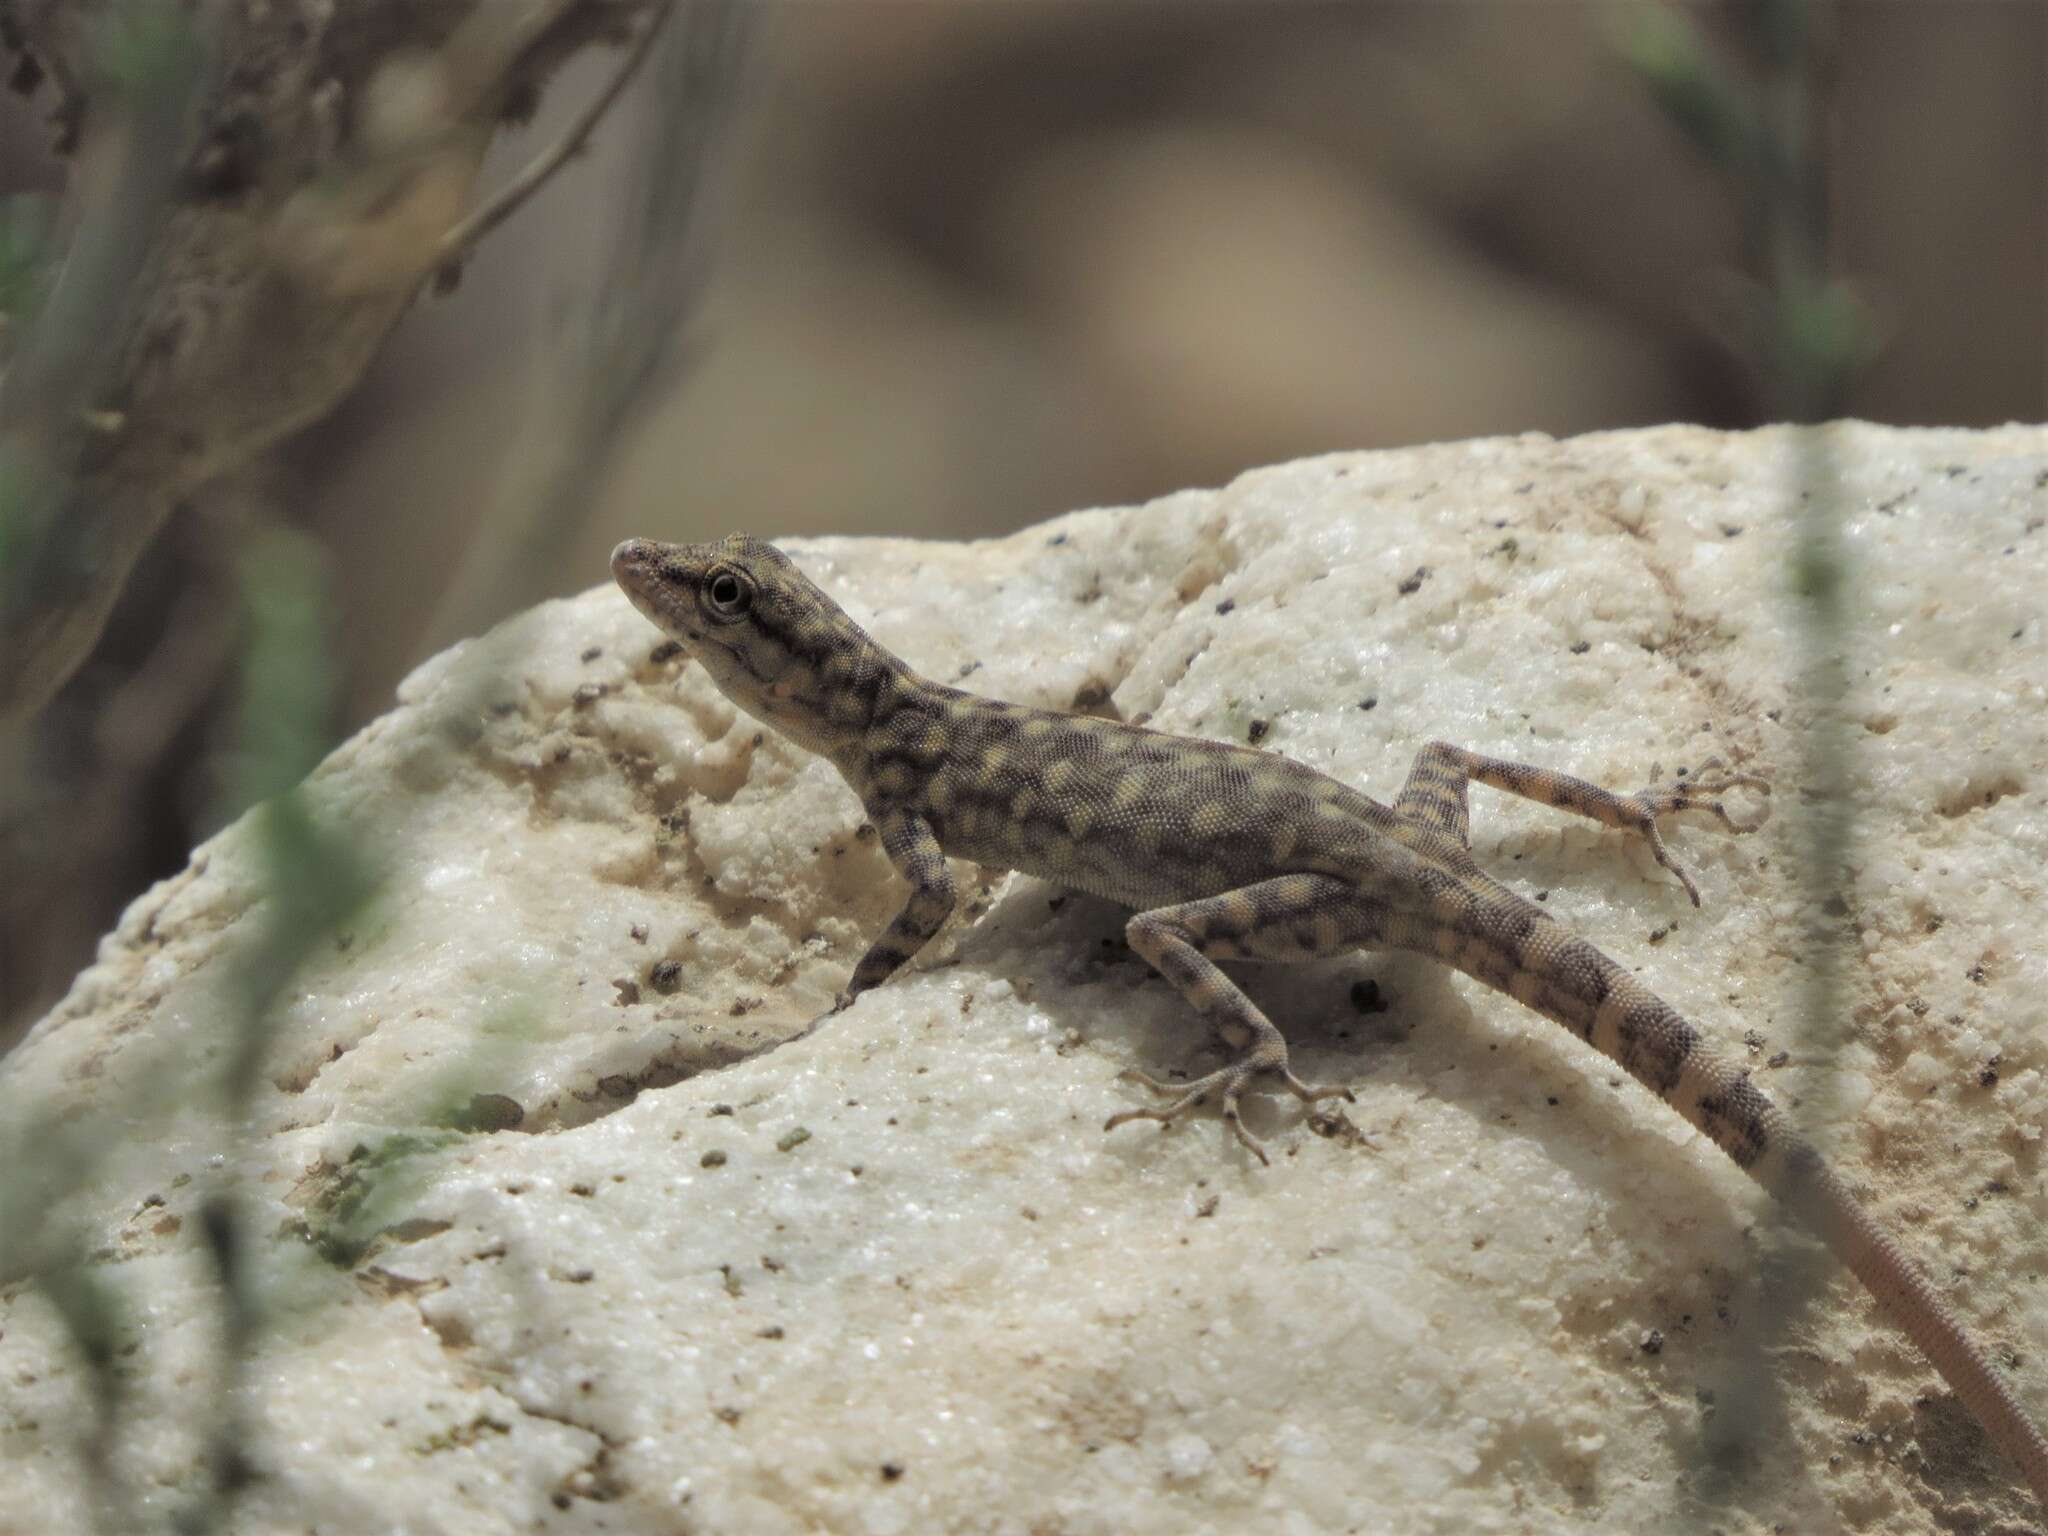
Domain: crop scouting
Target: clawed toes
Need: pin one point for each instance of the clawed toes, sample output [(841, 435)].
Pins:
[(1166, 1114), (1133, 1075), (1726, 782), (1231, 1080), (1710, 782), (1713, 777), (1309, 1093), (1251, 1142)]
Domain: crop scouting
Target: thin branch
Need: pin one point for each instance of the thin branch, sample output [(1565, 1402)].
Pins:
[(458, 242)]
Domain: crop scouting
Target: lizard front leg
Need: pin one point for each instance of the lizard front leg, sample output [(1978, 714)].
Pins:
[(1435, 796), (907, 839), (1292, 917)]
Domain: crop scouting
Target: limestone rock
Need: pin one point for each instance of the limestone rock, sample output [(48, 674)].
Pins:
[(892, 1276)]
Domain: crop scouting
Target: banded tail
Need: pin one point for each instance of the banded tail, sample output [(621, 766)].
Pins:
[(1566, 979)]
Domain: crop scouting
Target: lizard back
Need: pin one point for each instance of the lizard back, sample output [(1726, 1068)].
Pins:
[(1134, 815)]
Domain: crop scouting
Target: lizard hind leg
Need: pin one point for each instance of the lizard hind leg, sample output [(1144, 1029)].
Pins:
[(1435, 795), (1292, 917)]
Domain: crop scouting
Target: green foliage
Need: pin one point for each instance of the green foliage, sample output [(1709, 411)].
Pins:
[(1816, 336), (371, 1195), (288, 681), (317, 879), (319, 876), (1703, 101), (1805, 332), (56, 339), (144, 46), (25, 501), (26, 267), (26, 226)]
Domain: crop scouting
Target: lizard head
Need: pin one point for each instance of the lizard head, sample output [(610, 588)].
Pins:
[(774, 643)]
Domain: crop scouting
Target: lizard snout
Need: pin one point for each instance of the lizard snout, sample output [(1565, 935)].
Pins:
[(631, 557)]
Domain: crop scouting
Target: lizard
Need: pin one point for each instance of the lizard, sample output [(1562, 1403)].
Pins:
[(1227, 852)]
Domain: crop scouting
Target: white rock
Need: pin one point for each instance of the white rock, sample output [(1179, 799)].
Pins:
[(958, 1305)]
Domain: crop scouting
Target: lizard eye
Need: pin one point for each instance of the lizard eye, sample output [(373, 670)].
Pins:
[(726, 595)]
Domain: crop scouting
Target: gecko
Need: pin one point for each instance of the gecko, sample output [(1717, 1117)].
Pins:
[(1226, 852)]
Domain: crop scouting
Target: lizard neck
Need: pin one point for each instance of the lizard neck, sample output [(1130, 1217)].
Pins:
[(827, 702)]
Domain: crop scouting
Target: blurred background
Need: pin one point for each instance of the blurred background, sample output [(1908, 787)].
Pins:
[(973, 266)]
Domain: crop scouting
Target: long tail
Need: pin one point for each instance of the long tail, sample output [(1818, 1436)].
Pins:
[(1514, 947)]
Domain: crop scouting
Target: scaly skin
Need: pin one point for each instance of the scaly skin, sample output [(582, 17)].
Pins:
[(1230, 853)]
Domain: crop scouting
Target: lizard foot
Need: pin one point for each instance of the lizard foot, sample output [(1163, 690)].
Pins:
[(1232, 1080), (1696, 793), (1693, 794)]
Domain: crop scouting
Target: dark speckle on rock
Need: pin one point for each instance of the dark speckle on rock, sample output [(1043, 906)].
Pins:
[(487, 1112)]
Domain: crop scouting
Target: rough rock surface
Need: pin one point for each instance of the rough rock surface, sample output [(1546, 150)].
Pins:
[(893, 1276)]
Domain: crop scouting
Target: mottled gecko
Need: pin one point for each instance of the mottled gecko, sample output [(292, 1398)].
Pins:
[(1225, 853)]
